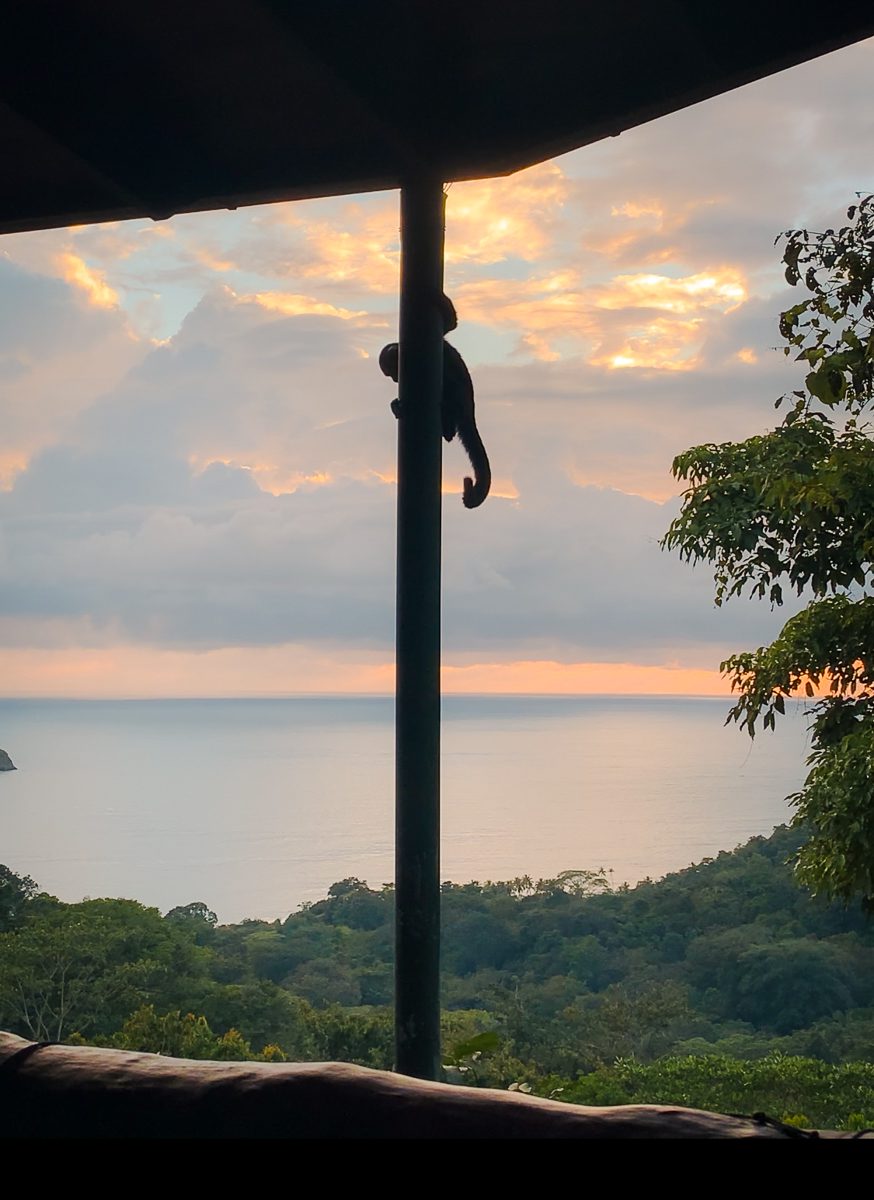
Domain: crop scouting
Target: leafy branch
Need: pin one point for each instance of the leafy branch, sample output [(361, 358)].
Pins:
[(794, 509)]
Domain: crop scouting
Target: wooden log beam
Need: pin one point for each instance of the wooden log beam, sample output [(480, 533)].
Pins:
[(80, 1091)]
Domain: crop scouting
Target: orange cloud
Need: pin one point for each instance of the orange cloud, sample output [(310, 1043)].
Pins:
[(643, 230), (292, 304), (118, 240), (361, 247), (646, 320), (88, 280), (490, 220), (279, 483), (269, 477), (554, 311), (655, 495), (723, 289), (501, 489), (636, 209), (541, 307), (661, 344), (143, 671), (553, 678), (669, 342), (208, 258), (276, 481), (11, 464), (538, 347)]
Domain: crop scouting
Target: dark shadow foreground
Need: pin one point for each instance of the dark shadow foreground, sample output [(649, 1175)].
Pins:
[(73, 1091)]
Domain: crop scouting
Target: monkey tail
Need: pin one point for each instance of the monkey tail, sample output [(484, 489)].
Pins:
[(475, 490)]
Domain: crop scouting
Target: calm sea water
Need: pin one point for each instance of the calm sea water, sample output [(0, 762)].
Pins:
[(256, 805)]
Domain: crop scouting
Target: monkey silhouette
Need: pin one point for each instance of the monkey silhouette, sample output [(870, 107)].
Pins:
[(456, 407)]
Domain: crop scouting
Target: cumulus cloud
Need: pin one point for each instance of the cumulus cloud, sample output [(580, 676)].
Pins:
[(58, 352), (198, 455), (161, 520)]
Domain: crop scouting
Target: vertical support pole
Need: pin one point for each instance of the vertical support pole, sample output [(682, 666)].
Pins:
[(417, 695)]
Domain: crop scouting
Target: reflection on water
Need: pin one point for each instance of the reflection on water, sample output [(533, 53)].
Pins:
[(256, 805)]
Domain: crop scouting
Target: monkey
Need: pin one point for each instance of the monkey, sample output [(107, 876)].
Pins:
[(456, 406)]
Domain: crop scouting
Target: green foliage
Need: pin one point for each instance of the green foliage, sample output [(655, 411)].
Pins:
[(362, 1036), (263, 1013), (325, 982), (196, 917), (545, 986), (187, 1036), (15, 892), (839, 1097), (795, 507), (462, 1058), (84, 967)]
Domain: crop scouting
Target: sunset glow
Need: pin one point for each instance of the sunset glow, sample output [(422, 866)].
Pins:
[(198, 477), (134, 672)]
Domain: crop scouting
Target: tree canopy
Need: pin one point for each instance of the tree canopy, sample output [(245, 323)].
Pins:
[(725, 972), (794, 508)]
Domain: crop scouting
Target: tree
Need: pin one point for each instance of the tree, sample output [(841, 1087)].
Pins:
[(351, 902), (795, 507), (15, 892), (187, 1036), (195, 918), (262, 1012), (171, 1034), (800, 1090), (324, 982), (84, 967)]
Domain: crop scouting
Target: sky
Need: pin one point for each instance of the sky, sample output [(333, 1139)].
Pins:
[(197, 462)]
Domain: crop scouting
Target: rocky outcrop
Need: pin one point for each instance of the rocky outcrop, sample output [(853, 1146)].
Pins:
[(6, 763), (80, 1091)]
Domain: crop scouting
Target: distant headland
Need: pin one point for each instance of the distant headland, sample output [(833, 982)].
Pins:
[(6, 763)]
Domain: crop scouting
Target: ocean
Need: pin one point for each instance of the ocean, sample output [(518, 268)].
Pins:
[(255, 806)]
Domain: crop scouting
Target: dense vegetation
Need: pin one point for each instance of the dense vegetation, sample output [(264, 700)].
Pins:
[(793, 508), (721, 986)]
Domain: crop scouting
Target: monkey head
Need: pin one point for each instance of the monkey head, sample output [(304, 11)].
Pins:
[(450, 316), (388, 360)]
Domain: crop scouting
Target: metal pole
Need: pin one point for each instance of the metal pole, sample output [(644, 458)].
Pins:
[(417, 696)]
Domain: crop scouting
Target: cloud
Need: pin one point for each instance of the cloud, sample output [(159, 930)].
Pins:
[(199, 458), (161, 520), (292, 304), (354, 245), (58, 351), (489, 221), (354, 249), (723, 289), (92, 283), (289, 669), (644, 320)]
